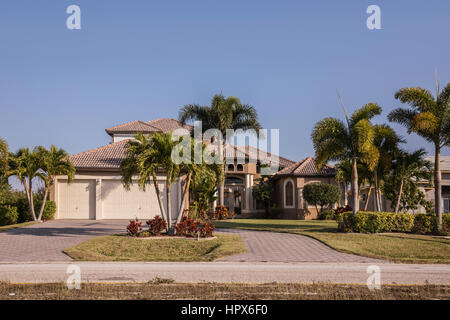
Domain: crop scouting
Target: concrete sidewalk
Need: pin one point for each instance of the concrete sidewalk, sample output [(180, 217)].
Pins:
[(226, 272)]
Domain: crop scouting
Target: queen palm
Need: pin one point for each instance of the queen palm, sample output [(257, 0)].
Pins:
[(386, 141), (141, 161), (335, 140), (429, 117), (409, 168), (25, 165), (222, 114), (53, 162)]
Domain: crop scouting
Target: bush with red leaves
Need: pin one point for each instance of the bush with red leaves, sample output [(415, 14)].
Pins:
[(156, 225), (206, 230), (221, 213), (134, 227), (187, 227), (341, 210)]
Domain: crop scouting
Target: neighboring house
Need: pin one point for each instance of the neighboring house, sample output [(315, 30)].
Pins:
[(97, 191), (424, 186)]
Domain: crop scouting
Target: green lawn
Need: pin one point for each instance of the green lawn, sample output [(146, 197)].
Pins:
[(15, 226), (407, 248), (123, 248)]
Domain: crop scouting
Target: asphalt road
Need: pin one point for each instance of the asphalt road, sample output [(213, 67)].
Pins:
[(226, 272)]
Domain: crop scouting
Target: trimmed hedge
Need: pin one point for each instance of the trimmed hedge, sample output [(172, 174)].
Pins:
[(8, 215), (375, 222)]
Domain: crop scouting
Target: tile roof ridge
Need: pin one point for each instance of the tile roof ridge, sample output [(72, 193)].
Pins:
[(99, 148)]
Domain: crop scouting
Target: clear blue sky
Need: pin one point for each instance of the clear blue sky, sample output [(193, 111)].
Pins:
[(144, 59)]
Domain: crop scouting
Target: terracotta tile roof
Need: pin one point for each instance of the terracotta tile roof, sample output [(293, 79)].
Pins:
[(307, 167), (105, 157), (134, 126), (168, 125)]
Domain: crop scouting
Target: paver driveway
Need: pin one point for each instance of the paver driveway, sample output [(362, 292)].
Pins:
[(284, 247), (45, 242)]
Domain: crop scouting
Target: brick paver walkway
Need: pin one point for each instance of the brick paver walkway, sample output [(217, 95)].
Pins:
[(45, 242), (284, 247)]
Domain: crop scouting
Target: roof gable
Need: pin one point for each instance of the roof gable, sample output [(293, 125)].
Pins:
[(307, 167)]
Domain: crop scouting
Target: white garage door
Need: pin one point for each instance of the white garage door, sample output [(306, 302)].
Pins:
[(135, 203), (76, 200)]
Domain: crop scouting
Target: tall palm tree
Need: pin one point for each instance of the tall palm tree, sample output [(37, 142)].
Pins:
[(335, 140), (25, 165), (429, 117), (53, 162), (223, 113), (3, 159), (386, 141), (409, 168), (141, 161)]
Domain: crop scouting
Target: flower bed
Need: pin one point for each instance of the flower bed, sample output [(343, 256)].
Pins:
[(187, 227)]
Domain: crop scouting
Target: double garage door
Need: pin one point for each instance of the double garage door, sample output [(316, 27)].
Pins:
[(83, 199)]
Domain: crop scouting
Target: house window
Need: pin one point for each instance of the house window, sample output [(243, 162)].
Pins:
[(289, 194), (240, 167), (231, 167), (447, 205)]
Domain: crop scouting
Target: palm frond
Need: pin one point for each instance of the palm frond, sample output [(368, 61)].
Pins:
[(420, 99), (368, 111)]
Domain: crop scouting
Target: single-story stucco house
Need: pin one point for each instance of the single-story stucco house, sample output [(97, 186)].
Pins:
[(97, 191)]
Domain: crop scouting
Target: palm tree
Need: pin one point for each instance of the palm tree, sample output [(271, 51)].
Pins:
[(429, 117), (409, 168), (222, 114), (53, 162), (142, 161), (3, 159), (386, 140), (25, 165), (334, 140)]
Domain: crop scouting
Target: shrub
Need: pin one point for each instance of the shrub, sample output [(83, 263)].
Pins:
[(374, 222), (134, 227), (321, 194), (156, 225), (327, 215), (425, 224), (274, 213), (206, 230), (8, 215), (49, 210), (220, 213), (187, 226)]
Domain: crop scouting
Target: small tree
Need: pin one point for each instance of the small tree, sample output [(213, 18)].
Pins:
[(321, 194), (263, 191)]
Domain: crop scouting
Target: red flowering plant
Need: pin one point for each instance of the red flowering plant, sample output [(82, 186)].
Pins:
[(156, 225), (187, 227), (134, 227), (206, 230), (221, 213)]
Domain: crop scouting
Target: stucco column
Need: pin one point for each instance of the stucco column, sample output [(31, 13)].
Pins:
[(247, 192), (98, 200), (250, 193)]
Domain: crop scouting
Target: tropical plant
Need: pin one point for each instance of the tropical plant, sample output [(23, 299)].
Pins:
[(429, 117), (222, 114), (335, 140), (53, 162), (386, 141), (3, 160), (407, 170), (204, 187), (143, 161), (321, 194), (263, 192), (25, 165)]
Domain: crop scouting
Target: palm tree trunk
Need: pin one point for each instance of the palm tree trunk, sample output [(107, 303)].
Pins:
[(158, 195), (355, 194), (168, 199), (368, 198), (44, 201), (377, 191), (437, 184), (399, 197), (183, 199), (31, 201)]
